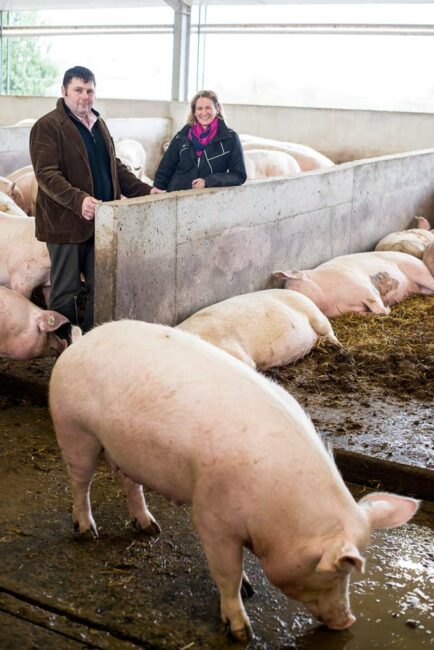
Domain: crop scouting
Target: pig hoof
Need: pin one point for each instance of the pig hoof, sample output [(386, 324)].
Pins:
[(89, 533), (247, 590), (244, 634), (151, 530)]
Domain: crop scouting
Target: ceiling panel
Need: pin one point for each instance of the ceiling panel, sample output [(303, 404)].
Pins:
[(22, 5)]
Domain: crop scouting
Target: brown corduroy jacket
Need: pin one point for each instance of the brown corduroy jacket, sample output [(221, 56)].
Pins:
[(62, 169)]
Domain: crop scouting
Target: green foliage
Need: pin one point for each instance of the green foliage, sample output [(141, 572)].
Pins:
[(26, 69)]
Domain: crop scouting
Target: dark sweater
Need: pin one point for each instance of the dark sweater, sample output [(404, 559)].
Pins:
[(99, 160)]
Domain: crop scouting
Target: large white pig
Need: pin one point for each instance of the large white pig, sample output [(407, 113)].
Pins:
[(12, 190), (19, 172), (26, 181), (191, 422), (133, 155), (412, 241), (428, 258), (8, 206), (264, 328), (24, 261), (26, 331), (261, 163), (309, 159), (362, 282)]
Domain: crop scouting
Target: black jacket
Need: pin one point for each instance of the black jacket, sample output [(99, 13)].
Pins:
[(220, 165)]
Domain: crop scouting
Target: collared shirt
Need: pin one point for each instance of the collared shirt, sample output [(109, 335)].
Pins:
[(89, 122)]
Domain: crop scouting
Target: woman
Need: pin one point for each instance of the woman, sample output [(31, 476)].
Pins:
[(205, 153)]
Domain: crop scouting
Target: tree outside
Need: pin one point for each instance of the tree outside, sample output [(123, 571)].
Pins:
[(26, 68)]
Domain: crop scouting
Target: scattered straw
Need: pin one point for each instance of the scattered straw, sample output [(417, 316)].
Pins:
[(395, 352)]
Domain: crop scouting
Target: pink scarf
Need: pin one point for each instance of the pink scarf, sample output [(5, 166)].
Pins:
[(201, 137)]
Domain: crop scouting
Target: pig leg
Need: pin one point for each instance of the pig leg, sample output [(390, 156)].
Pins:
[(80, 451), (374, 304), (46, 292), (137, 509), (321, 326), (235, 349), (247, 590), (224, 553), (420, 275), (139, 513)]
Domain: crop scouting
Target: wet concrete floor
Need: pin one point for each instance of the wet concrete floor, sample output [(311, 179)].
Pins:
[(129, 591)]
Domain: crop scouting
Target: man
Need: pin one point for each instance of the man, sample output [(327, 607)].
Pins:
[(76, 168)]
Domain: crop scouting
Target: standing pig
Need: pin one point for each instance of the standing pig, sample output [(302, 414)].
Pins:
[(191, 422), (412, 241), (26, 331), (24, 261), (362, 282), (264, 329)]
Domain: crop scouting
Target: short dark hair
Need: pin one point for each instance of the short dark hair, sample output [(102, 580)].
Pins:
[(78, 72)]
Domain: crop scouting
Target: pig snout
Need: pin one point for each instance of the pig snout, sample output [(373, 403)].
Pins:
[(332, 617), (56, 345)]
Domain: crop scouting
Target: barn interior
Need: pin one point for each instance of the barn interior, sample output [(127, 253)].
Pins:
[(162, 258)]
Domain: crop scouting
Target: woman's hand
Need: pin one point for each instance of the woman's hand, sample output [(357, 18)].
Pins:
[(198, 183), (155, 190)]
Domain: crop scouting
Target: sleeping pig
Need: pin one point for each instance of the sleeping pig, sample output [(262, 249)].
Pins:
[(361, 282), (264, 328)]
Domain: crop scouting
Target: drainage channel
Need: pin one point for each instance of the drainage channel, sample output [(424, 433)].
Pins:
[(61, 626)]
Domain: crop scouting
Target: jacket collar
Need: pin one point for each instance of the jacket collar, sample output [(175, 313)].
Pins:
[(65, 113), (72, 131)]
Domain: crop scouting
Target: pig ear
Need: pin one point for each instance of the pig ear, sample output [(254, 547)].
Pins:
[(341, 557), (289, 275), (49, 321), (423, 223), (385, 510)]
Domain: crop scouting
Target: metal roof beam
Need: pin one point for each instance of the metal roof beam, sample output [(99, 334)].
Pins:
[(181, 48)]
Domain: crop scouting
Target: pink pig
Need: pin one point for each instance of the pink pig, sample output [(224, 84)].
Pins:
[(412, 241), (263, 328), (26, 331), (24, 261), (197, 425), (361, 282), (428, 258)]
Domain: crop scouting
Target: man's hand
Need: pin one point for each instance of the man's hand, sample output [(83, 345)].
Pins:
[(155, 190), (198, 183), (88, 208)]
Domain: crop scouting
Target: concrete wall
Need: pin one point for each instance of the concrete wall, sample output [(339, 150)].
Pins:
[(162, 258), (14, 108), (152, 132), (342, 135)]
